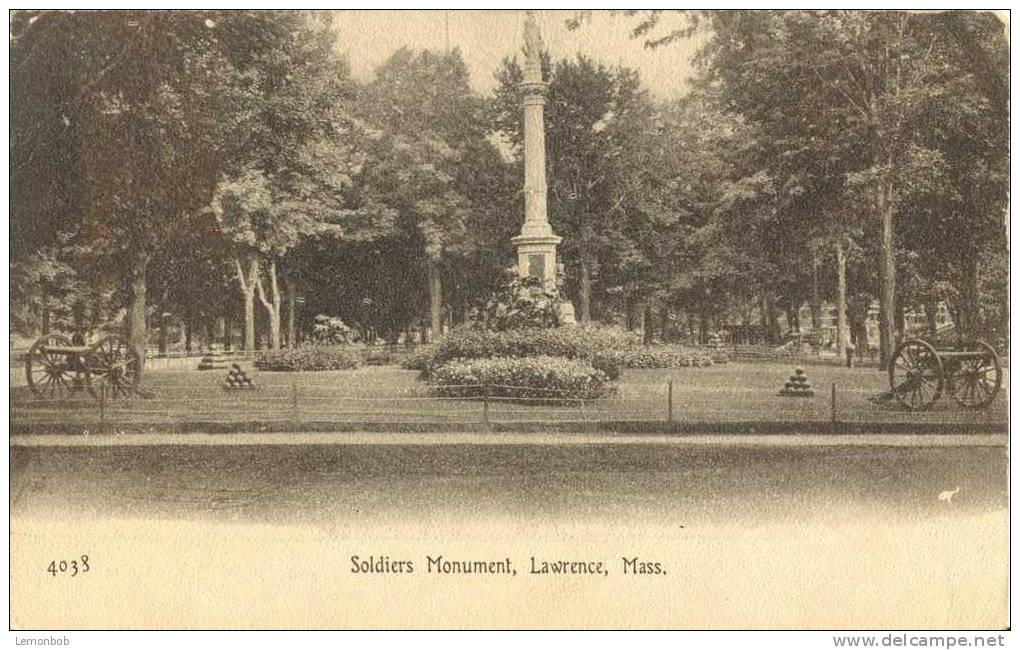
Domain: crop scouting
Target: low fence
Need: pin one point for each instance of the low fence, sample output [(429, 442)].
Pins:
[(182, 359), (294, 406), (795, 352)]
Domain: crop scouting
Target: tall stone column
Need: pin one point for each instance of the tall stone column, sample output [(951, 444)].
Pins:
[(536, 245)]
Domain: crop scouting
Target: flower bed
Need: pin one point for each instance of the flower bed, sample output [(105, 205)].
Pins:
[(665, 356), (308, 357), (599, 346), (540, 377)]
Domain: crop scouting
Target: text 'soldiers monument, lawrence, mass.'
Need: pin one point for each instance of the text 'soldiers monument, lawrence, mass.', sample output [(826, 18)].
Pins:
[(536, 245)]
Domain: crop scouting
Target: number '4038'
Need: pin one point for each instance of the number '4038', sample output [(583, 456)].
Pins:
[(69, 567)]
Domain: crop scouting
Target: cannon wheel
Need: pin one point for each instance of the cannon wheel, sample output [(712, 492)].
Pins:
[(114, 367), (978, 379), (915, 374), (50, 374)]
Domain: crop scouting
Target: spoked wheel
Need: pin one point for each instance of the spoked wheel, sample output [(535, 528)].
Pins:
[(114, 367), (978, 379), (915, 375), (50, 374)]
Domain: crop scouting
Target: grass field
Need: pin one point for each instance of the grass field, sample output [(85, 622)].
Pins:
[(734, 392)]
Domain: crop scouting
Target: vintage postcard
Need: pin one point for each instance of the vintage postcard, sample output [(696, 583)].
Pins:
[(519, 319)]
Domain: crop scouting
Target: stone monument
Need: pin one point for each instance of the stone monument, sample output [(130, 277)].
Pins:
[(536, 245)]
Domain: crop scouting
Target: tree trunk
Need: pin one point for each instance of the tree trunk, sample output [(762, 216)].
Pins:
[(435, 282), (45, 320), (664, 323), (97, 311), (862, 345), (900, 331), (291, 311), (228, 334), (246, 282), (793, 316), (649, 325), (841, 322), (78, 312), (163, 334), (188, 327), (771, 321), (931, 315), (136, 331), (956, 315), (248, 293), (816, 299), (633, 311), (887, 297), (585, 288), (764, 313), (972, 299), (272, 303)]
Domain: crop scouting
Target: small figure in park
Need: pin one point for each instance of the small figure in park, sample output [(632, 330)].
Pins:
[(798, 385)]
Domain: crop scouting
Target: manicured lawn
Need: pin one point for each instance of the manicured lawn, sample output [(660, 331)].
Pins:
[(734, 392)]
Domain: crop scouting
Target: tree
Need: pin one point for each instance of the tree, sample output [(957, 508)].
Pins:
[(290, 142), (430, 130), (879, 78), (131, 94)]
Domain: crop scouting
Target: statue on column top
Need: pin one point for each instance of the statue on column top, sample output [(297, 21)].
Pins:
[(532, 39)]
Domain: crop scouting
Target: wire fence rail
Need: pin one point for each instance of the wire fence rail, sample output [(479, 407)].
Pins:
[(295, 405)]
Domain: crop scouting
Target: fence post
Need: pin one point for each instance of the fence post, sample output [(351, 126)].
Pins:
[(485, 405), (293, 401), (669, 416), (833, 401), (102, 410)]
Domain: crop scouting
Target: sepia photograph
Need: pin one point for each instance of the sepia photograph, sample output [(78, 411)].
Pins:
[(450, 319)]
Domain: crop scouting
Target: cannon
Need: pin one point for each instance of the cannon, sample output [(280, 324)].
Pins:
[(919, 374), (55, 367)]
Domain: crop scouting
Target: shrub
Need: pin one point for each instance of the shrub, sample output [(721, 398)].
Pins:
[(383, 355), (523, 303), (665, 356), (420, 359), (308, 357), (542, 377), (599, 346), (331, 330)]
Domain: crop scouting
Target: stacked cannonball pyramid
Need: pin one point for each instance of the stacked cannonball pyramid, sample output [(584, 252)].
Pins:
[(237, 379), (212, 360), (798, 385)]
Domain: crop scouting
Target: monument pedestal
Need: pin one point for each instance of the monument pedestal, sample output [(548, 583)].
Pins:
[(536, 256)]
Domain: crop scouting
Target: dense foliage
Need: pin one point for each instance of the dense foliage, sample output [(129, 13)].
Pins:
[(541, 377), (597, 345), (668, 356), (522, 303), (308, 357), (330, 330), (206, 172)]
